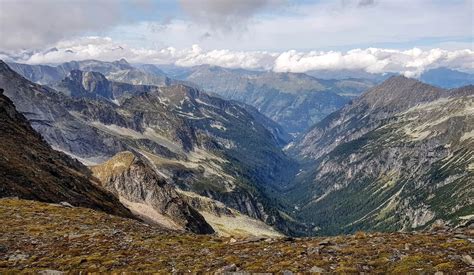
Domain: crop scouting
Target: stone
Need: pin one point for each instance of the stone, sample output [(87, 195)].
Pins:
[(313, 251), (66, 204), (18, 257), (325, 242), (316, 269), (227, 268), (51, 272), (468, 259)]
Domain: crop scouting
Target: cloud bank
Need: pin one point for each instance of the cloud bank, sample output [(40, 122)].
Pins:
[(410, 62), (27, 24), (243, 25), (226, 15)]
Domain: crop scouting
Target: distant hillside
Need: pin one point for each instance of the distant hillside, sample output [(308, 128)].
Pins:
[(447, 78), (295, 101)]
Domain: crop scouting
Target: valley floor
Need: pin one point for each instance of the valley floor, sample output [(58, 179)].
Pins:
[(39, 236)]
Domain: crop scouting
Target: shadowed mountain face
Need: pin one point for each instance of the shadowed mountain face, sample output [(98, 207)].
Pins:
[(30, 169), (399, 157), (194, 141)]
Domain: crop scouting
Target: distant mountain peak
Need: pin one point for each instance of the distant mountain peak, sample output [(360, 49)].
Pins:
[(3, 65), (80, 83), (400, 92), (122, 61)]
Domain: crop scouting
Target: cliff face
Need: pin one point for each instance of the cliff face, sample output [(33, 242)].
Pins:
[(147, 194), (399, 158), (31, 169)]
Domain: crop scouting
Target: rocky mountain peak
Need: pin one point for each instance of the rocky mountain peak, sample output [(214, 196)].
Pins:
[(4, 68), (122, 61), (94, 82), (90, 84), (400, 92), (3, 65), (135, 181)]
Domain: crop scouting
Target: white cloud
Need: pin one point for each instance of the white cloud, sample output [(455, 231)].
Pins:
[(30, 23), (272, 25), (375, 60), (27, 24), (410, 62)]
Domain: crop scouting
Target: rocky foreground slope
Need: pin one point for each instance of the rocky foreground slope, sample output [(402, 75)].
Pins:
[(39, 236)]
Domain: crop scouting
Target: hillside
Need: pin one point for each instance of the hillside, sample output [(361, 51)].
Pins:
[(447, 78), (398, 158), (38, 236), (31, 169)]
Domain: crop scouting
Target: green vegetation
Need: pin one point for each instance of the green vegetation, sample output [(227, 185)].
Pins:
[(38, 236)]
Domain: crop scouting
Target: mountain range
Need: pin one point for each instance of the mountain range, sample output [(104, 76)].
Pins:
[(207, 149), (295, 101), (195, 142), (447, 78)]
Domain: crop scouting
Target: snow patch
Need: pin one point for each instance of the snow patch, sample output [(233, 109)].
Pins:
[(218, 125)]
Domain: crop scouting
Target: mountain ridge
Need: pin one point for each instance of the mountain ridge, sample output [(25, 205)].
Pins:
[(387, 161)]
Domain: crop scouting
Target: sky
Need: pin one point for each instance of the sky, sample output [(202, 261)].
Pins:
[(407, 36)]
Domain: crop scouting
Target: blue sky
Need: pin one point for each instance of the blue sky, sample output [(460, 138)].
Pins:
[(275, 25), (302, 25), (245, 33)]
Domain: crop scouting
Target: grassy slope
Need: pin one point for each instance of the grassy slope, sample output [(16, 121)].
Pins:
[(37, 236)]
